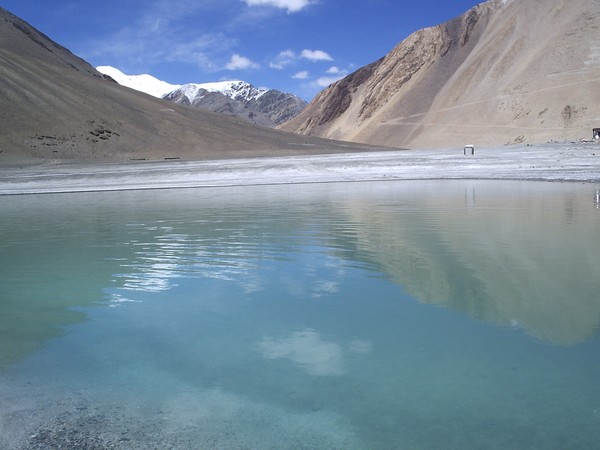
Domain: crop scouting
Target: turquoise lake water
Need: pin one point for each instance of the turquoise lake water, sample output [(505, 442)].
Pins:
[(391, 315)]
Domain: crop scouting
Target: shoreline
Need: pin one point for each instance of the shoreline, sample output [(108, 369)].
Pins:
[(574, 162)]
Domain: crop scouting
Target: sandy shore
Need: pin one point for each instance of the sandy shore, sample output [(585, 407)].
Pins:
[(551, 162)]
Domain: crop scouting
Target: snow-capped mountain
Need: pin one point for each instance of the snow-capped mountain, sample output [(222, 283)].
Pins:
[(236, 89), (265, 107), (143, 83)]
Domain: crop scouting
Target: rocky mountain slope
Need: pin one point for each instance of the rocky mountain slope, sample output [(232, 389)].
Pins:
[(54, 105), (265, 107), (506, 71)]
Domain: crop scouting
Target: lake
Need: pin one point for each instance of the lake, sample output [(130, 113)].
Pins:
[(379, 315)]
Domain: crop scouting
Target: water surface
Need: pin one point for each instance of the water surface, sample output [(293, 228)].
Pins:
[(401, 315)]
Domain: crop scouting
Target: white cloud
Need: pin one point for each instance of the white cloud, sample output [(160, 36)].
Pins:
[(238, 62), (134, 50), (289, 5), (197, 50), (315, 55), (326, 81), (285, 58), (334, 74), (158, 35), (303, 75)]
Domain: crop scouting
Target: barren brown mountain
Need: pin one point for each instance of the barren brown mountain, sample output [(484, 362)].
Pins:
[(54, 105), (506, 71)]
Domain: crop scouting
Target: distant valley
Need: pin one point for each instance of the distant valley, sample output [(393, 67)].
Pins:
[(56, 106), (504, 72)]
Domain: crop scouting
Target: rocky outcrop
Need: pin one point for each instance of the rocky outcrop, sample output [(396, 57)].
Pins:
[(494, 75), (278, 106)]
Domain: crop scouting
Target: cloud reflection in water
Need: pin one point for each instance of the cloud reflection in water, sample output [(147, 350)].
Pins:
[(309, 351)]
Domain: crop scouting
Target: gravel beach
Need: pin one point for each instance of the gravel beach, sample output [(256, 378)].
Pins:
[(549, 162)]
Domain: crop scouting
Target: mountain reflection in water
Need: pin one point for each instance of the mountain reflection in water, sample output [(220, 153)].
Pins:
[(515, 254)]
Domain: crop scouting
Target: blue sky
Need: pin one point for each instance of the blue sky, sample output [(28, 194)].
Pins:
[(297, 46)]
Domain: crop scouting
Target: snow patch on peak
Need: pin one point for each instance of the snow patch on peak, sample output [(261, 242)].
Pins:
[(235, 89), (190, 90), (143, 83), (112, 72)]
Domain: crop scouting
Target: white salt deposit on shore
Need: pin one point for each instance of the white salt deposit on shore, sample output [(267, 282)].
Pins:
[(551, 162)]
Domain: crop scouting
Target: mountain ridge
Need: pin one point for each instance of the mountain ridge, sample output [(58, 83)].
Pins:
[(233, 97)]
